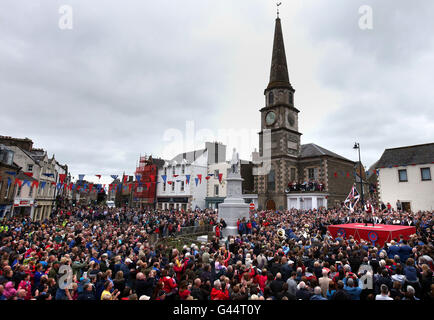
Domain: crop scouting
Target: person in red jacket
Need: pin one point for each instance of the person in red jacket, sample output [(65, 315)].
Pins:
[(169, 283), (217, 293), (217, 231), (184, 292), (261, 279)]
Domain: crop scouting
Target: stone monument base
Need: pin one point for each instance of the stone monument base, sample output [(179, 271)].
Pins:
[(231, 212)]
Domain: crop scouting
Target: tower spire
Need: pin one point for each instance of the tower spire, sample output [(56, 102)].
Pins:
[(279, 77)]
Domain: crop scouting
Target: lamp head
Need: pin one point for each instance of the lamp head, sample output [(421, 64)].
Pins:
[(356, 145)]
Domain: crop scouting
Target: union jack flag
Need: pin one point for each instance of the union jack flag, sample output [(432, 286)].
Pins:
[(352, 199)]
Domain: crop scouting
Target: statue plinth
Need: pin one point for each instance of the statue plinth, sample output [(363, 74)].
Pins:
[(234, 206)]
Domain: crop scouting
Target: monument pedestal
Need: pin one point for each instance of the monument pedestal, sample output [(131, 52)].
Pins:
[(234, 206)]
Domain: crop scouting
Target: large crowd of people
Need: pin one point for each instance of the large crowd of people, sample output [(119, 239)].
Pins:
[(110, 254)]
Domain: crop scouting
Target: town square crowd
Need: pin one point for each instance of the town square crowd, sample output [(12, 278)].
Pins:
[(97, 253)]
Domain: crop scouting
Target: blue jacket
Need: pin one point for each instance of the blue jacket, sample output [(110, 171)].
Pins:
[(404, 252), (317, 297), (411, 274), (393, 251), (354, 292)]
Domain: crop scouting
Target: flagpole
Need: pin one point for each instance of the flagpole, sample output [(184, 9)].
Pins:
[(357, 146)]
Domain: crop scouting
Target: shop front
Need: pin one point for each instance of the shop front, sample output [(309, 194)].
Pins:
[(174, 203)]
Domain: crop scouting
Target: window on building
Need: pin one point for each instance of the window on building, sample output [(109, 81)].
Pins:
[(7, 191), (29, 167), (271, 181), (165, 171), (19, 191), (216, 174), (173, 186), (270, 98), (425, 173), (311, 173), (293, 174), (30, 192), (183, 169), (182, 185), (164, 186), (216, 190), (173, 169), (402, 174)]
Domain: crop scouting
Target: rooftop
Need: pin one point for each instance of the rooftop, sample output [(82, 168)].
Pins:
[(402, 156)]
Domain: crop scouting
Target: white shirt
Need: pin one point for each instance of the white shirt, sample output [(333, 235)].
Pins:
[(381, 297)]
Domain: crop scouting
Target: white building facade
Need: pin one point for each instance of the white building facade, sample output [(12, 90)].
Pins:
[(182, 183), (25, 195), (405, 175)]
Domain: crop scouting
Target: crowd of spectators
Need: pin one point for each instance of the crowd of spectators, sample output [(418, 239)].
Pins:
[(107, 254)]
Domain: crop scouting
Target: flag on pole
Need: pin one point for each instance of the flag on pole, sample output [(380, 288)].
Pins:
[(352, 199)]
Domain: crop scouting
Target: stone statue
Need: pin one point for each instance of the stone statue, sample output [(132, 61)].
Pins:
[(235, 162)]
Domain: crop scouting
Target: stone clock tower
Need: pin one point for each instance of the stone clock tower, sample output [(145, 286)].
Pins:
[(279, 118)]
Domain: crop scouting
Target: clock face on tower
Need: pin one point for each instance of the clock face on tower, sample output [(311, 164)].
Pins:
[(270, 118)]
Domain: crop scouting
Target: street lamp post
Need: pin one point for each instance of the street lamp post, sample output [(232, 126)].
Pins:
[(357, 146)]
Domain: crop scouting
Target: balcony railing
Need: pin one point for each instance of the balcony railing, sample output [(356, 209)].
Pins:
[(311, 186)]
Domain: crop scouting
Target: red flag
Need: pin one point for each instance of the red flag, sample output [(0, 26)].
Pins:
[(62, 178), (152, 178), (207, 177), (130, 186), (29, 174), (35, 184), (220, 177), (200, 178), (175, 175), (98, 175), (125, 179), (336, 174), (148, 184), (169, 182), (348, 174), (90, 187)]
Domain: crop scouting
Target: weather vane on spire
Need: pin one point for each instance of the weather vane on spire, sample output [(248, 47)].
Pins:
[(278, 4)]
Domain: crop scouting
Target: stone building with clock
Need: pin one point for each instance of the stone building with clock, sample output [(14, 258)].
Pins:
[(289, 174)]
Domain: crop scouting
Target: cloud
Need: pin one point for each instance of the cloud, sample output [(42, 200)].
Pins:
[(108, 90)]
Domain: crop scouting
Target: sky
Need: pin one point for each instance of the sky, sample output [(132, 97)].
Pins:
[(102, 82)]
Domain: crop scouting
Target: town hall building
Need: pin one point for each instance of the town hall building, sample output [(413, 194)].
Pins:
[(289, 174)]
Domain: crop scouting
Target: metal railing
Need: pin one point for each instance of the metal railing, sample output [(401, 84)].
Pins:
[(184, 232)]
